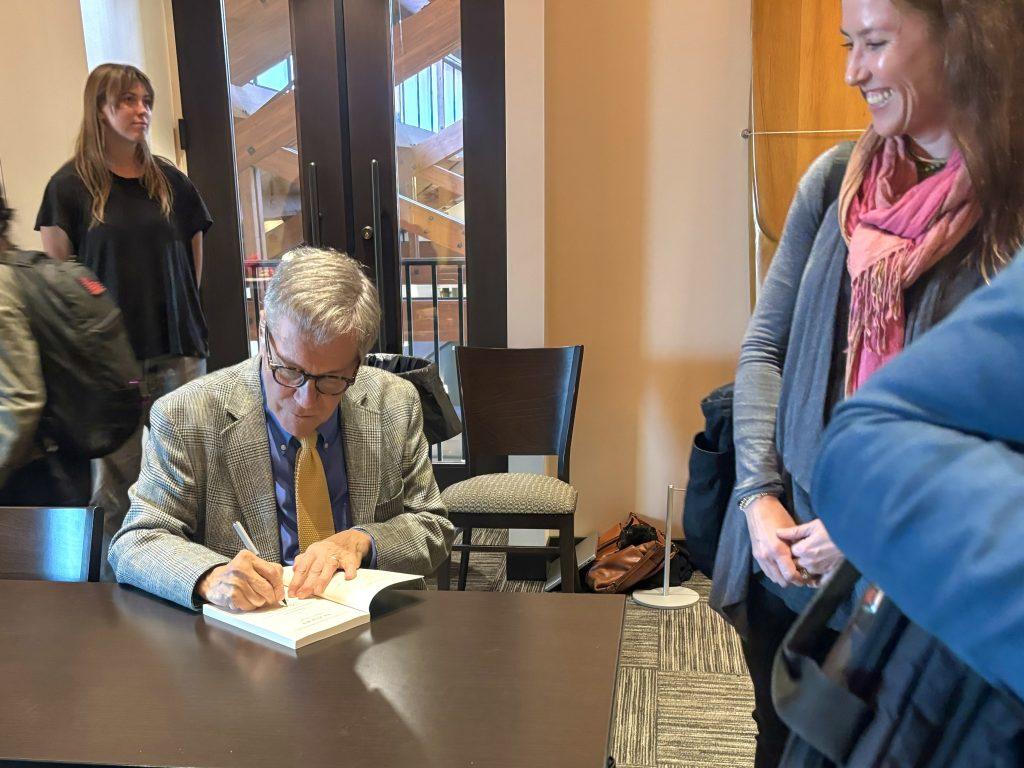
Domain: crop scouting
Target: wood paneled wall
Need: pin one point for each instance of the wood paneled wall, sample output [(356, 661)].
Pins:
[(797, 86)]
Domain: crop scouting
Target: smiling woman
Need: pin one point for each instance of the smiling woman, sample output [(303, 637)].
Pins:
[(896, 64), (137, 222), (883, 240)]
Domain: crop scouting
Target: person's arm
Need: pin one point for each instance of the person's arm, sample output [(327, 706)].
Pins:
[(22, 392), (155, 548), (921, 480), (56, 243), (192, 215), (759, 380), (197, 256), (418, 536), (65, 205), (759, 373)]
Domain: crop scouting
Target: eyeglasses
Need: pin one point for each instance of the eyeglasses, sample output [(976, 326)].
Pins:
[(295, 378)]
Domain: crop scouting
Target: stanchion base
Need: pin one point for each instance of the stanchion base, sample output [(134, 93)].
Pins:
[(677, 597)]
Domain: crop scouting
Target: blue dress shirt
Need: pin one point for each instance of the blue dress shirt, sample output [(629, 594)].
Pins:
[(284, 449)]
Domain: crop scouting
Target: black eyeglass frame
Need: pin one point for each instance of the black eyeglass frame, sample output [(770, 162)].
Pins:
[(306, 376)]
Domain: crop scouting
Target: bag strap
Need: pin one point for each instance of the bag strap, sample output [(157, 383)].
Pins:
[(801, 690), (16, 258), (834, 181)]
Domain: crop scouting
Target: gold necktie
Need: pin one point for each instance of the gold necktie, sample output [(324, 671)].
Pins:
[(312, 500)]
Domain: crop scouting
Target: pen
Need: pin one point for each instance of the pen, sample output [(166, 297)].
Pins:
[(243, 536)]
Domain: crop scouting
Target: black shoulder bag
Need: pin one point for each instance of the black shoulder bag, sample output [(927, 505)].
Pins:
[(886, 693)]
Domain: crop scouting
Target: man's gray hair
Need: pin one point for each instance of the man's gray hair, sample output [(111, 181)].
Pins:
[(326, 294)]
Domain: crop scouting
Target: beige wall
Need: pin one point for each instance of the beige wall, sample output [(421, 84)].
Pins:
[(647, 233), (42, 58), (524, 189), (524, 161)]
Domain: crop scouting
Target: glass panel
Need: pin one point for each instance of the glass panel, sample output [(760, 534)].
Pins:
[(427, 76), (262, 92)]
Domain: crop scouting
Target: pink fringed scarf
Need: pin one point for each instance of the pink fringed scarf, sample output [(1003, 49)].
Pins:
[(896, 229)]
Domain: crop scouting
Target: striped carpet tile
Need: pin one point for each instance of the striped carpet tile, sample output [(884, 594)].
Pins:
[(641, 637), (697, 639), (704, 720), (634, 718)]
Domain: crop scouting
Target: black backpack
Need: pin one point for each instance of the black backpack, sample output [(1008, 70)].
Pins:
[(711, 479), (94, 398), (886, 694)]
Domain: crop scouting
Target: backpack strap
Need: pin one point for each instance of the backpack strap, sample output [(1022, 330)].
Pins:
[(834, 181), (801, 690), (16, 258)]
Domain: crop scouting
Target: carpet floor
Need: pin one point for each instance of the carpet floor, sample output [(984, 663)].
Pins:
[(683, 698)]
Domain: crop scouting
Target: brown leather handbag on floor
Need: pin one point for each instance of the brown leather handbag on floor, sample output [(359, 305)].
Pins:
[(627, 554)]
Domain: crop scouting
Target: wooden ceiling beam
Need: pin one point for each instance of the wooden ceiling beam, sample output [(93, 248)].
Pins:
[(266, 131), (437, 227), (443, 178), (438, 147), (426, 37), (283, 163), (259, 36), (284, 236)]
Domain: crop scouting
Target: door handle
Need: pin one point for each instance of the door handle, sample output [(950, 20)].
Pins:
[(314, 205), (374, 234)]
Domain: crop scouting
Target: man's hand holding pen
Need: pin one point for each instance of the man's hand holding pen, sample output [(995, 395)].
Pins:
[(246, 583)]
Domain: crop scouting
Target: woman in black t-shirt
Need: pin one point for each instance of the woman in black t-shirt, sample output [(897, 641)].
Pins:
[(138, 223)]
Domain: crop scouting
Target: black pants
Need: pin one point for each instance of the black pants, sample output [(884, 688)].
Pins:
[(768, 619), (51, 481)]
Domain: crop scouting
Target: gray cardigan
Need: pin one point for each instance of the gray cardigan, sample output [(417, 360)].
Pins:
[(786, 371)]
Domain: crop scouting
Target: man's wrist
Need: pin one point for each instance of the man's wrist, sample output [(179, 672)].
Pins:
[(344, 539), (369, 555), (745, 501), (202, 588)]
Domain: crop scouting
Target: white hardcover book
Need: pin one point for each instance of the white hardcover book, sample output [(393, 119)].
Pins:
[(344, 604)]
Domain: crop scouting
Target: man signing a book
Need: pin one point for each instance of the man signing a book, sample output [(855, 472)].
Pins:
[(323, 461)]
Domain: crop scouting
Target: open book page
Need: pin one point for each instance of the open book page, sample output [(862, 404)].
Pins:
[(299, 623), (359, 592)]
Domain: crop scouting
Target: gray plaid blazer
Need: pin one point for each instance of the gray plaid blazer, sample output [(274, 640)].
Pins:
[(206, 463)]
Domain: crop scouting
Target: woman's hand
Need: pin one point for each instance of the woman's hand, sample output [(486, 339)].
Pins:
[(812, 548), (765, 518)]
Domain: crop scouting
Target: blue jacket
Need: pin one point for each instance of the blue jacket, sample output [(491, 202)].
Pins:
[(921, 480)]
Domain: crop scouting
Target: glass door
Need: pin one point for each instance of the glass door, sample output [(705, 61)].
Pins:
[(430, 181), (426, 80), (376, 127), (262, 88)]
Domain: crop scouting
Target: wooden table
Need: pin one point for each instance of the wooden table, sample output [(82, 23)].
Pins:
[(108, 675)]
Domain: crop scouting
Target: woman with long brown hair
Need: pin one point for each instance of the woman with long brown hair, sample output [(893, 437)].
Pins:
[(137, 222), (930, 204)]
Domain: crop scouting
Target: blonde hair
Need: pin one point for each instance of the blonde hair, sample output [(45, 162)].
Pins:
[(105, 85), (326, 294)]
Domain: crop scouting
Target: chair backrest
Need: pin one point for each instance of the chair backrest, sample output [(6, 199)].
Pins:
[(51, 543), (449, 374), (519, 402)]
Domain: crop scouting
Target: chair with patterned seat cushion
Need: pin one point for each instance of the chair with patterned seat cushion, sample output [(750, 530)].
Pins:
[(516, 402)]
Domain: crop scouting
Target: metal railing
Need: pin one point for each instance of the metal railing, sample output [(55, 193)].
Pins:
[(435, 346)]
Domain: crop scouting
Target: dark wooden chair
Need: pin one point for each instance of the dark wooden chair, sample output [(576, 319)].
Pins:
[(516, 402), (51, 543)]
